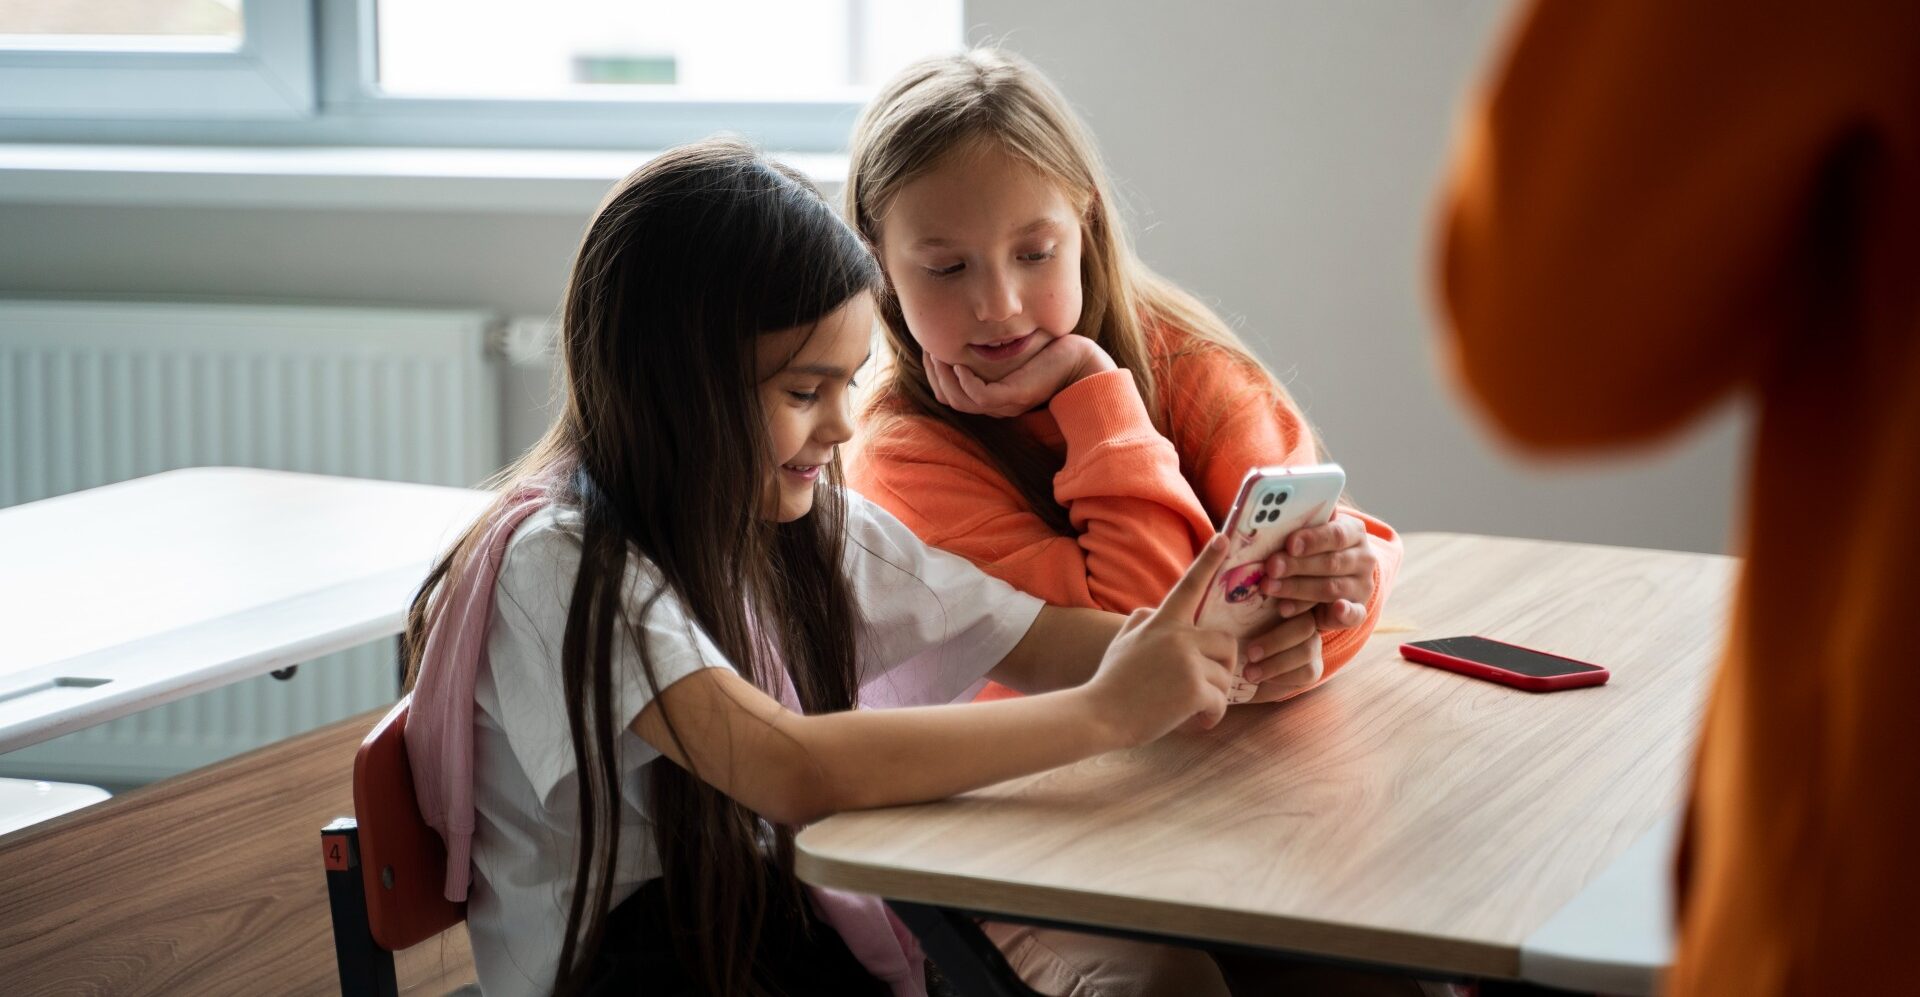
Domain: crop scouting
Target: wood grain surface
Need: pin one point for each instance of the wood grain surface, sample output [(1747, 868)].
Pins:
[(1399, 814), (209, 883)]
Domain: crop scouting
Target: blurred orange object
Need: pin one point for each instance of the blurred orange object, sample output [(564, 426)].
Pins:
[(1658, 207)]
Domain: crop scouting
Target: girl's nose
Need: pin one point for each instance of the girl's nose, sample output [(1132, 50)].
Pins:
[(837, 426), (995, 299)]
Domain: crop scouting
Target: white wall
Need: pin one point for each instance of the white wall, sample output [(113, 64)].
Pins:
[(1281, 158)]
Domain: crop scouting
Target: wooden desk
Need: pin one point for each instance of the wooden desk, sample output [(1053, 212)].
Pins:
[(1399, 815), (121, 598), (208, 883)]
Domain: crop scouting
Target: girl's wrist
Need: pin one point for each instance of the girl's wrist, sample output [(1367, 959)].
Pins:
[(1100, 717), (1093, 360)]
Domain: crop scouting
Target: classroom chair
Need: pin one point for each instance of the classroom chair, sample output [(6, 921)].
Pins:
[(385, 867)]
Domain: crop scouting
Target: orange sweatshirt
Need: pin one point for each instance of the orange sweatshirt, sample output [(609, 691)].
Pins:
[(1657, 207), (1142, 505)]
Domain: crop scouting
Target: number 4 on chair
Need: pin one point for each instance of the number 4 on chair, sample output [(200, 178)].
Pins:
[(334, 850)]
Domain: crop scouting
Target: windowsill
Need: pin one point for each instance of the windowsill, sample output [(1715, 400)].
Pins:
[(545, 181)]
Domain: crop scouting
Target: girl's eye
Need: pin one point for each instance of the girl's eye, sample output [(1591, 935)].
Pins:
[(945, 271), (1040, 257), (805, 397)]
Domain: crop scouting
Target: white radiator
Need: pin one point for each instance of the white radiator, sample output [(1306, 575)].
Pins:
[(93, 393)]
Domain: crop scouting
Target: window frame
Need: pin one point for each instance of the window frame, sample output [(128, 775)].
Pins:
[(269, 75), (344, 106)]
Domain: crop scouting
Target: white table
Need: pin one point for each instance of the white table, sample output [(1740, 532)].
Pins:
[(121, 598), (1616, 935), (26, 802)]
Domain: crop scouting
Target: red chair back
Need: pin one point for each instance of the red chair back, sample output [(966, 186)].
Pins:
[(403, 862)]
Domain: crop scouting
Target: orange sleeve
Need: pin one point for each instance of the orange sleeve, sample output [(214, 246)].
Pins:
[(1226, 421), (1139, 522), (1626, 233)]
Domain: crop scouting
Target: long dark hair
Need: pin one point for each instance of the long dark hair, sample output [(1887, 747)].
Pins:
[(660, 445)]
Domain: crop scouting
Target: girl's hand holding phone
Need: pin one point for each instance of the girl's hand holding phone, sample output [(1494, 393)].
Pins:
[(1162, 671), (1328, 569), (1059, 363), (1279, 660)]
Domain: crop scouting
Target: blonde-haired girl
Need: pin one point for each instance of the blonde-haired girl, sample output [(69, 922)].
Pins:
[(1061, 415), (1056, 411)]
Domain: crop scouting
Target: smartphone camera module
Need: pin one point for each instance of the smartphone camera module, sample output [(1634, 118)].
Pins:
[(1268, 507)]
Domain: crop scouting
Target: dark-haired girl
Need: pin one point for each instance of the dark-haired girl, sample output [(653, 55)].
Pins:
[(639, 672)]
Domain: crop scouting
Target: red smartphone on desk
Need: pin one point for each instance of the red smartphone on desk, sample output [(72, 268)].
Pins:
[(1507, 664)]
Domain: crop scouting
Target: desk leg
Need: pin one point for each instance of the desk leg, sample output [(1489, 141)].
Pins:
[(966, 957)]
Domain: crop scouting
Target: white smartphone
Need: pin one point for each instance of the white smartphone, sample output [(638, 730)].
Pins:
[(1272, 504)]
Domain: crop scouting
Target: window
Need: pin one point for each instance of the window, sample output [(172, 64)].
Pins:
[(192, 25), (622, 74), (740, 50)]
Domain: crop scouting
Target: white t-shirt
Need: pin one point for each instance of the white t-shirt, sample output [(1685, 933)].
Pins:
[(933, 626)]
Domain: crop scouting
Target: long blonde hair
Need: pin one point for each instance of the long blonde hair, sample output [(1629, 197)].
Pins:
[(943, 104)]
